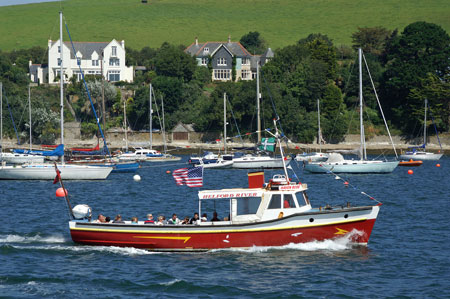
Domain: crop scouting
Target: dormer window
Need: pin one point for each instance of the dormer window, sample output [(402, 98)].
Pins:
[(204, 61), (95, 62), (206, 50), (221, 61), (78, 61), (245, 61)]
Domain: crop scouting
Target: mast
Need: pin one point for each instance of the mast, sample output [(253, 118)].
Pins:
[(361, 124), (103, 97), (125, 124), (61, 78), (319, 133), (150, 117), (258, 109), (225, 122), (163, 125), (29, 113), (425, 125), (1, 118)]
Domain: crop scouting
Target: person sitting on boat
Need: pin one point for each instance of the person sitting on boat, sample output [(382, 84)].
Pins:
[(195, 219), (215, 218), (100, 219), (160, 220), (174, 220), (118, 219), (134, 220), (185, 220), (107, 219), (150, 219), (204, 217)]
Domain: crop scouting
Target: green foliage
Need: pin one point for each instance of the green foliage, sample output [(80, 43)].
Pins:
[(254, 43), (171, 61), (88, 129), (371, 40)]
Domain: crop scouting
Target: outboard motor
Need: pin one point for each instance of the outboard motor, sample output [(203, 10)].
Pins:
[(81, 212)]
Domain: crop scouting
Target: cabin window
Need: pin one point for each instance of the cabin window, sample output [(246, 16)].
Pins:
[(275, 202), (302, 198), (288, 202), (248, 205)]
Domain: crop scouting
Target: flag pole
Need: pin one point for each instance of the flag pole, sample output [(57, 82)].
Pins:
[(66, 196)]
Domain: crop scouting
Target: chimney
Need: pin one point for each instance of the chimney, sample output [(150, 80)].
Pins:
[(229, 38), (123, 44), (49, 43), (256, 179), (196, 41)]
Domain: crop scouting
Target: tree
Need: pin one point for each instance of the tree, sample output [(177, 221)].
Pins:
[(422, 48), (171, 61), (371, 40), (253, 42)]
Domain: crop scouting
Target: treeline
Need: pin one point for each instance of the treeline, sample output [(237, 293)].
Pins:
[(405, 68)]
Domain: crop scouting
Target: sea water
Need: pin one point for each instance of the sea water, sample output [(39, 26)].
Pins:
[(407, 255)]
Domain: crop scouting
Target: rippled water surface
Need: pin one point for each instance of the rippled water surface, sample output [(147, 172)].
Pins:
[(407, 256)]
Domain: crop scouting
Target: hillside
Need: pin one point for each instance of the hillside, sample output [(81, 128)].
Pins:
[(280, 22)]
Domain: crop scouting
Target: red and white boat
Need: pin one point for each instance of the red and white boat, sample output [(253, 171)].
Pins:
[(276, 213)]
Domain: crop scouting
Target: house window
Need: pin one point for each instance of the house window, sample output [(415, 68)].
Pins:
[(114, 62), (245, 61), (59, 61), (221, 61), (206, 50), (222, 74), (204, 61), (114, 76), (113, 51), (77, 74), (59, 49), (95, 62), (78, 61), (246, 74)]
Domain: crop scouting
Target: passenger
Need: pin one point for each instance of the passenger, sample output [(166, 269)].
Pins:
[(107, 219), (204, 217), (100, 219), (185, 220), (174, 220), (215, 218), (160, 220), (286, 204), (195, 219), (150, 219), (134, 220), (118, 219)]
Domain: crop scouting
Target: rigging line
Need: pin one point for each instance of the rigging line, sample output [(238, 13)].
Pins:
[(234, 118), (12, 118), (379, 104), (435, 129), (351, 185), (88, 92)]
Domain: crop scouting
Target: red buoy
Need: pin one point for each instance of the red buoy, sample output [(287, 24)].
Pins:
[(346, 184), (60, 192), (168, 171), (438, 165), (410, 171)]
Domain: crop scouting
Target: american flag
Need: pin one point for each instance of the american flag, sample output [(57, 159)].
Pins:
[(192, 177)]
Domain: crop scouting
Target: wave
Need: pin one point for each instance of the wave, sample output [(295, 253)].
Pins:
[(32, 239), (130, 251), (336, 244)]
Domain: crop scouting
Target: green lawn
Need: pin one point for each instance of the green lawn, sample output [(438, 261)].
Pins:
[(280, 22)]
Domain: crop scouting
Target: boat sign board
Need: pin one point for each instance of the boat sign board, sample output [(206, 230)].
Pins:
[(217, 194), (291, 187)]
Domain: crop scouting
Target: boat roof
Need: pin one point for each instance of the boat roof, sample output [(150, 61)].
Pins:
[(247, 192)]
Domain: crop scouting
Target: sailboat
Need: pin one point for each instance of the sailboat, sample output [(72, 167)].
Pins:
[(336, 162), (419, 152), (47, 171), (262, 159), (314, 156), (17, 158)]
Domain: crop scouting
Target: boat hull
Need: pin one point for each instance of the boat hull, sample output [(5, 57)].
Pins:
[(422, 156), (356, 223), (258, 162), (47, 172), (21, 158), (351, 166)]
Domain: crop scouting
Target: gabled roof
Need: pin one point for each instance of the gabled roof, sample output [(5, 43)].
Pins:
[(85, 48), (233, 47), (180, 127)]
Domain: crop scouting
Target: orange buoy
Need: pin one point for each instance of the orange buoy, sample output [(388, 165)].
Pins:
[(168, 171), (60, 192), (410, 171), (438, 165), (346, 184)]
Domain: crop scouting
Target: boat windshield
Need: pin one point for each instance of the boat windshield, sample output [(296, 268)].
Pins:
[(248, 205), (302, 198)]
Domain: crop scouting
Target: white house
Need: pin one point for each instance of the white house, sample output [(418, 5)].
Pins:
[(95, 58)]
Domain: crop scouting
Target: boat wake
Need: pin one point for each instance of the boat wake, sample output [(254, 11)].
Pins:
[(338, 244), (32, 239)]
